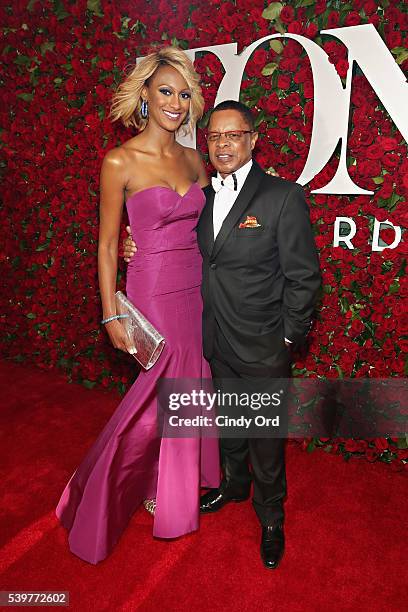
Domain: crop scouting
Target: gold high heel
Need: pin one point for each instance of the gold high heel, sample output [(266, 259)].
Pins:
[(150, 505)]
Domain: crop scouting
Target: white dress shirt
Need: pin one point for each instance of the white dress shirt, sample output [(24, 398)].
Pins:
[(225, 198)]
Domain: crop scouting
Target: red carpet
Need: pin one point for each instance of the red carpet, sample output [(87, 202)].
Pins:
[(345, 526)]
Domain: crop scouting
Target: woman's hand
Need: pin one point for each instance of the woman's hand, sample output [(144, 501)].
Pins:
[(119, 337), (129, 247)]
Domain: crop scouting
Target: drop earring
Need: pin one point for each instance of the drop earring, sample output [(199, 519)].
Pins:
[(144, 110)]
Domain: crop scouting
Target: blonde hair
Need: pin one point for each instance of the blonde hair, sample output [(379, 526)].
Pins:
[(127, 100)]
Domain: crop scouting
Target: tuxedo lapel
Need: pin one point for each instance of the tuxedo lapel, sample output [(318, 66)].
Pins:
[(241, 203), (205, 224)]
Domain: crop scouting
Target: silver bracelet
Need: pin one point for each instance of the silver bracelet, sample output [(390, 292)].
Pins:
[(113, 317)]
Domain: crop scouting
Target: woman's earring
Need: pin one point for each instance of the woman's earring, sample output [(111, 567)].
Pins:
[(144, 110)]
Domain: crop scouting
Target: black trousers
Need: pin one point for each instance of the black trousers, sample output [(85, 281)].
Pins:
[(266, 456)]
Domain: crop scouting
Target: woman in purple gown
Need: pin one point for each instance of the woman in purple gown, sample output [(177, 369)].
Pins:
[(161, 181)]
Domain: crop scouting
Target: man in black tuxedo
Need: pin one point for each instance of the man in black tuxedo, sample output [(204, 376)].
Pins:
[(260, 283)]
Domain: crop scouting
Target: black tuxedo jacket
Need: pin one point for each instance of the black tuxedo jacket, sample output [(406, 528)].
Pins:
[(259, 283)]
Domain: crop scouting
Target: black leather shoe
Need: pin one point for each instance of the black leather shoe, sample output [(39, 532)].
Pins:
[(272, 545), (217, 498)]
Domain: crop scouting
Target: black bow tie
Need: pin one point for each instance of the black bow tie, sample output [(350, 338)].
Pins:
[(230, 182)]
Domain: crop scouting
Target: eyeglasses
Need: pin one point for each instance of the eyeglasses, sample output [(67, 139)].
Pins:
[(233, 135)]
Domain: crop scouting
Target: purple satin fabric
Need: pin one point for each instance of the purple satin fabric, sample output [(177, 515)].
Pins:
[(128, 463)]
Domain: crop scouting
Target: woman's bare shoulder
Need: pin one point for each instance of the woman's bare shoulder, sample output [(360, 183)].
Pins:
[(115, 157), (123, 156)]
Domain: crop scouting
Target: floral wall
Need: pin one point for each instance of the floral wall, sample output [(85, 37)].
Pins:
[(61, 61)]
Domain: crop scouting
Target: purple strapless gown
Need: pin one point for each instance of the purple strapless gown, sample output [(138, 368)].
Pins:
[(128, 463)]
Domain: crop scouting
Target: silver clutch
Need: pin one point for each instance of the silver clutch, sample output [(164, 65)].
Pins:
[(148, 343)]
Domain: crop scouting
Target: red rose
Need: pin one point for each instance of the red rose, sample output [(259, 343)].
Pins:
[(292, 99), (62, 47), (311, 30), (308, 89), (334, 50), (70, 86), (391, 161), (289, 63), (308, 109), (272, 103), (404, 166), (375, 20), (103, 93), (333, 19), (374, 152), (364, 138), (387, 188), (229, 23), (321, 241), (342, 67), (381, 444), (287, 14), (371, 454), (295, 27), (260, 57), (92, 120), (190, 33), (370, 7), (356, 328), (388, 144), (210, 27), (351, 446), (358, 98), (277, 135), (116, 23), (394, 39), (320, 7), (106, 64), (284, 81), (352, 19), (297, 110), (399, 308), (305, 71), (297, 146), (402, 453)]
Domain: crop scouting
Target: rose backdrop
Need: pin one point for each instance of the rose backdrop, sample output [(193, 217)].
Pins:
[(61, 61)]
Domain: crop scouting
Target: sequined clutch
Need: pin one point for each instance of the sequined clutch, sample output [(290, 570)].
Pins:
[(147, 341)]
